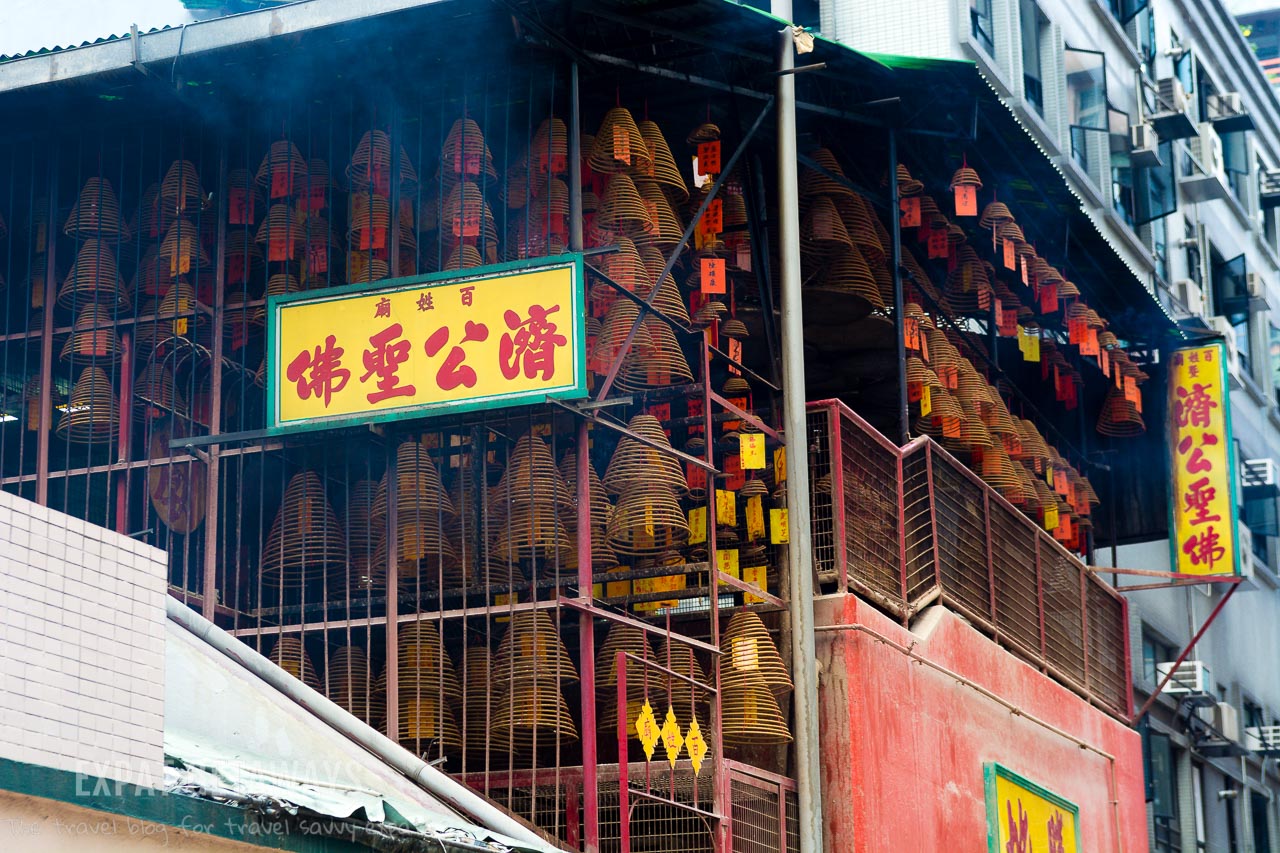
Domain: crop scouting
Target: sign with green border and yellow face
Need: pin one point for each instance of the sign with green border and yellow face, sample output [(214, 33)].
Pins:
[(489, 337), (1023, 817)]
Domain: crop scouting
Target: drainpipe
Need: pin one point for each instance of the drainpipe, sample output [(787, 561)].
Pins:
[(454, 794), (800, 550)]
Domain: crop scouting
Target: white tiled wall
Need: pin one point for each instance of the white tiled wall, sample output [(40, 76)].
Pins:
[(81, 645)]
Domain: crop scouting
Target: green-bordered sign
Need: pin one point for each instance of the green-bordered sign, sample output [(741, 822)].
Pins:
[(1024, 817)]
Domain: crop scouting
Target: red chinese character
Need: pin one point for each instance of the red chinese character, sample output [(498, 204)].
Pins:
[(383, 309), (535, 341), (327, 376), (424, 302), (1204, 548), (1193, 408), (453, 372), (1019, 833), (468, 295), (385, 359), (1198, 498), (1056, 842)]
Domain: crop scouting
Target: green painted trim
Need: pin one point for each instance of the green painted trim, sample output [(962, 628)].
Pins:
[(155, 806), (577, 389), (991, 771)]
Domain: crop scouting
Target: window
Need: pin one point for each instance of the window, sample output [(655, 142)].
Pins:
[(1162, 792), (1194, 269), (1125, 11), (1258, 810), (1273, 349), (1155, 652), (980, 25), (1086, 104), (1231, 300), (1236, 162), (1158, 241), (1253, 715), (1035, 28), (1184, 64), (1123, 197)]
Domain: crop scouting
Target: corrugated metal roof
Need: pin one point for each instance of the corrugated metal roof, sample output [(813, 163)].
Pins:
[(9, 57)]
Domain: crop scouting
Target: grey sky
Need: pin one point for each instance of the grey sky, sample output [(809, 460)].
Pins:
[(30, 24)]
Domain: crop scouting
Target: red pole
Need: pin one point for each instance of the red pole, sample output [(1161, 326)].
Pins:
[(624, 782), (586, 640)]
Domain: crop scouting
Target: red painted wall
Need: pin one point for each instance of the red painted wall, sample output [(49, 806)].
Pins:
[(903, 745)]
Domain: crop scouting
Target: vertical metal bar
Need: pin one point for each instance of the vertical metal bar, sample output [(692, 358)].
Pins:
[(782, 818), (1127, 699), (991, 568), (1084, 626), (393, 239), (836, 454), (904, 431), (800, 549), (393, 595), (901, 487), (46, 337), (126, 422), (933, 517), (624, 780), (212, 484), (575, 162), (572, 835), (1044, 642), (993, 335), (720, 800)]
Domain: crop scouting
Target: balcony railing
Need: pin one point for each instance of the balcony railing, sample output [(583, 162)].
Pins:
[(912, 526)]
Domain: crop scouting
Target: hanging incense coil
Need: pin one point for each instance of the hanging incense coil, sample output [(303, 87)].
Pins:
[(750, 715), (1067, 290), (93, 338), (750, 649), (305, 536), (533, 508), (246, 199), (424, 660), (283, 170), (735, 209), (860, 221), (994, 215), (621, 209), (907, 185), (529, 240), (426, 722), (822, 230), (665, 171), (467, 216), (31, 401), (847, 284), (621, 638), (365, 539), (736, 386), (290, 654), (549, 149), (422, 510), (735, 329), (181, 247), (155, 392), (647, 519), (96, 214), (370, 166), (479, 706), (351, 685), (463, 257), (618, 146), (92, 412), (532, 714), (522, 184), (244, 260), (622, 315), (465, 154), (180, 191), (368, 222), (705, 132), (633, 461), (362, 269), (965, 176), (660, 364), (532, 649), (601, 507), (1120, 418), (278, 285), (93, 278), (666, 228)]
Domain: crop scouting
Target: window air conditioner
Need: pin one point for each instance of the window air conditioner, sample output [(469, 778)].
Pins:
[(1263, 738), (1144, 145), (1223, 717), (1224, 105), (1224, 328), (1172, 96), (1260, 472), (1206, 148), (1269, 187), (1191, 676), (1190, 295)]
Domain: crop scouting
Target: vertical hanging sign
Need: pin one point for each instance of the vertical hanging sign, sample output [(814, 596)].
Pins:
[(1202, 503)]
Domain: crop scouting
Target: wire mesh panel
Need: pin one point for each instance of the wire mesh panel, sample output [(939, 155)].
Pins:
[(1063, 611), (828, 555), (1017, 598), (919, 542), (870, 498), (1107, 647), (960, 526)]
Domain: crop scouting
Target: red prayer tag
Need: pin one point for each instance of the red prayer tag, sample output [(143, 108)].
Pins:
[(910, 212), (712, 275), (709, 157), (241, 213), (280, 182), (966, 201)]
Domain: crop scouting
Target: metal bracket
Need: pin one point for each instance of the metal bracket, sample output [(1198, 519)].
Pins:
[(621, 429)]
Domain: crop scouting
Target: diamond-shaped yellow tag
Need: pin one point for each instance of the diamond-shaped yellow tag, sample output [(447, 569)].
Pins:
[(671, 737), (647, 729), (696, 745)]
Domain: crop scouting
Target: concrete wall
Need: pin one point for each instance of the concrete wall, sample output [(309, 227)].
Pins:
[(81, 645), (913, 741)]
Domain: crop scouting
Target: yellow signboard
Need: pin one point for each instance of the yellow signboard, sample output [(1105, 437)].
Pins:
[(1202, 503), (481, 338), (1023, 817)]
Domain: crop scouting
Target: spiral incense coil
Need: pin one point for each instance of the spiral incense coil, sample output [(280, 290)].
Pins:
[(244, 260), (282, 170), (532, 649), (92, 413), (735, 329), (312, 192), (665, 229), (305, 536), (533, 713), (997, 417), (532, 505), (351, 685), (736, 386), (94, 278), (362, 269), (368, 216), (602, 556), (370, 165), (93, 338), (822, 230), (465, 211), (750, 650), (549, 148), (647, 520), (364, 539), (278, 285), (735, 210), (479, 706), (633, 461), (31, 399), (155, 393), (660, 364), (860, 222), (907, 185), (465, 154), (621, 638), (463, 257), (705, 132), (521, 184), (1033, 444), (618, 146), (997, 469), (181, 248), (617, 325), (710, 312), (994, 215), (621, 209), (290, 655), (241, 182), (1067, 290), (527, 240), (750, 715), (96, 213), (665, 171), (180, 191), (965, 176), (424, 660), (1119, 417), (847, 277), (426, 723), (552, 201)]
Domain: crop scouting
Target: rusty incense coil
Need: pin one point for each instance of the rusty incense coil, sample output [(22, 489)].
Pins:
[(180, 189), (973, 434), (618, 146), (463, 257), (1120, 418), (972, 390), (1033, 444), (664, 171), (278, 285), (93, 338), (860, 221), (549, 148), (997, 417), (848, 283), (351, 684), (660, 364), (621, 209), (532, 649), (362, 269), (478, 708), (93, 278), (666, 229), (815, 183), (613, 334), (534, 514), (997, 469), (1026, 480), (155, 392), (368, 221), (917, 373), (282, 170), (370, 165), (92, 412), (622, 638), (749, 649), (907, 185), (466, 216), (750, 715), (1044, 496), (754, 488), (634, 461), (735, 329), (240, 182), (305, 537), (647, 520), (994, 215), (736, 386), (626, 267), (533, 714), (1067, 290), (423, 659), (181, 247), (710, 312), (965, 176), (705, 132), (96, 213), (31, 401), (822, 229), (465, 154), (290, 654)]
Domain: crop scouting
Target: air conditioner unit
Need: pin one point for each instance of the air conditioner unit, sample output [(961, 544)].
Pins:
[(1260, 472), (1224, 105), (1269, 188), (1206, 148), (1190, 295), (1223, 717), (1191, 676), (1223, 327), (1172, 96), (1144, 145), (1257, 288), (1263, 738)]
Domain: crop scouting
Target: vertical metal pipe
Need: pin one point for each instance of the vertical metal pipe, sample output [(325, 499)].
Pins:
[(209, 588), (122, 441), (46, 338), (800, 550), (575, 162), (898, 300)]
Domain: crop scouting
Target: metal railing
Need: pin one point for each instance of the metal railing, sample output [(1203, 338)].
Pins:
[(906, 527)]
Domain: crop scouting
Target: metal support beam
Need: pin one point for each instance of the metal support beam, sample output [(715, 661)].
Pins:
[(1151, 700), (899, 306), (800, 549)]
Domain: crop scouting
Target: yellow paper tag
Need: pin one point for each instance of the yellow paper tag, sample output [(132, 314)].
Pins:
[(1051, 518), (755, 518), (780, 465), (696, 745), (745, 654), (926, 402), (757, 576), (697, 525), (779, 534), (180, 326), (1048, 475), (727, 561), (751, 450), (726, 508), (502, 600)]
